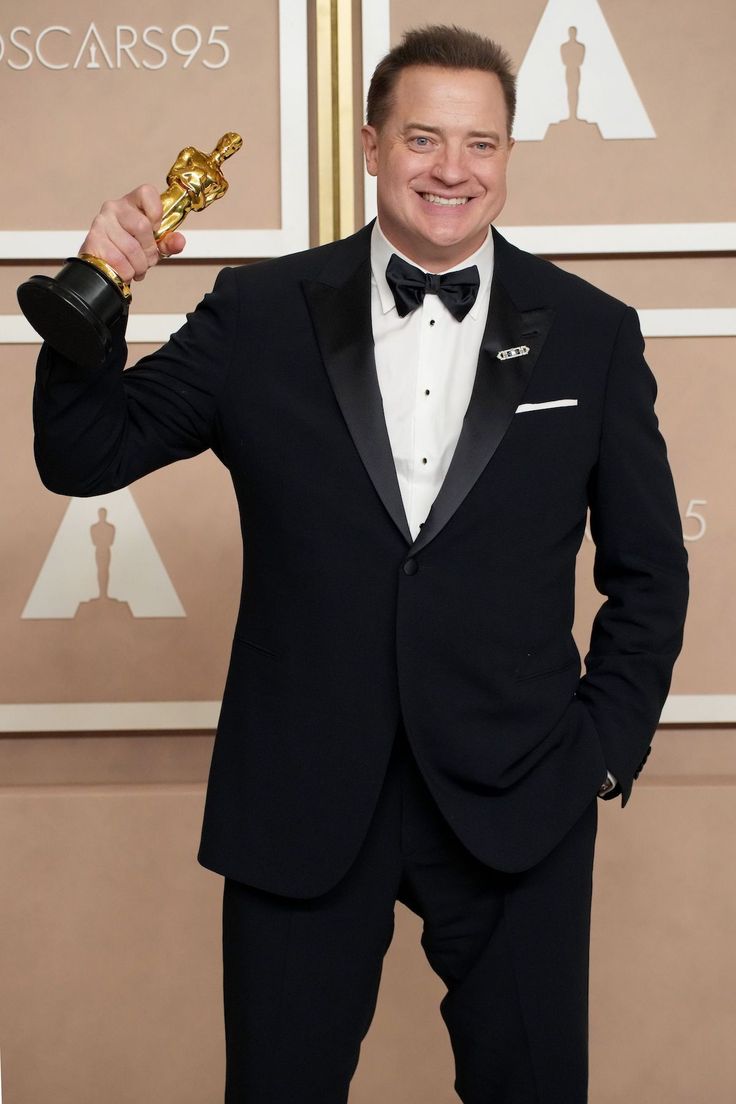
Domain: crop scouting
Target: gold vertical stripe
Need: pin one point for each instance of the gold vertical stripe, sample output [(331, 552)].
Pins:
[(345, 119), (335, 121), (325, 125)]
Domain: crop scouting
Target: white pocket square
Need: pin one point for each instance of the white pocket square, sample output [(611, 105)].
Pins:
[(525, 407)]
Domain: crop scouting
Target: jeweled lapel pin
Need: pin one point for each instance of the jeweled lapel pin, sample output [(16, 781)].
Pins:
[(509, 354)]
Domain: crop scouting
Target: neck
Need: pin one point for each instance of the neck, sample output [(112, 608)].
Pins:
[(439, 261)]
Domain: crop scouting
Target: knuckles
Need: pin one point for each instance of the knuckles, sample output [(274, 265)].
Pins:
[(136, 215), (149, 195), (142, 228)]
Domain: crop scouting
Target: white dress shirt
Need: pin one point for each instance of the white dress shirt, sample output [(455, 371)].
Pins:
[(426, 364)]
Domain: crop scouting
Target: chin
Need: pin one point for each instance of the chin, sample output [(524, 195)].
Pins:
[(455, 239)]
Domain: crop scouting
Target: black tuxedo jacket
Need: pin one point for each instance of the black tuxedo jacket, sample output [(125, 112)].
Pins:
[(345, 623)]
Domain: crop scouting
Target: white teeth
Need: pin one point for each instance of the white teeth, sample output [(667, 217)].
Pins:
[(443, 201)]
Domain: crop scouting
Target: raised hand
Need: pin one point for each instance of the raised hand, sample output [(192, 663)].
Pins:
[(122, 234)]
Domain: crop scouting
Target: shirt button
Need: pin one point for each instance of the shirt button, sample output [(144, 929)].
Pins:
[(431, 321), (426, 391), (424, 459), (411, 567)]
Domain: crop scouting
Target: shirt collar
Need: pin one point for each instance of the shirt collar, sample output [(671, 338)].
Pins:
[(381, 250)]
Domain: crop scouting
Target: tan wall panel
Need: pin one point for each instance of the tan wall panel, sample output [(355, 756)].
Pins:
[(113, 758), (111, 946), (692, 755), (661, 282), (663, 1017), (574, 176), (91, 134)]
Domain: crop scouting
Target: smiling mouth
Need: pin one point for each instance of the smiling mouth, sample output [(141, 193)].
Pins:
[(445, 201)]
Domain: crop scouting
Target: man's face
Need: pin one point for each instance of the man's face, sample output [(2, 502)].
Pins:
[(440, 162)]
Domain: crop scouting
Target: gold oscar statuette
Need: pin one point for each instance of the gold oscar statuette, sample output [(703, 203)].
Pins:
[(76, 310)]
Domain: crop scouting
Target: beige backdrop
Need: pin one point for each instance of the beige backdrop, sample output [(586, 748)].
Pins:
[(83, 135), (109, 932), (677, 56)]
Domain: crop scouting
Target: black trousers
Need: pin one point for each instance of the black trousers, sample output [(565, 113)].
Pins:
[(301, 977)]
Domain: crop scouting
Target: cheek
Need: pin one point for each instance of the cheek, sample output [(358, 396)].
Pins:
[(495, 185), (500, 179)]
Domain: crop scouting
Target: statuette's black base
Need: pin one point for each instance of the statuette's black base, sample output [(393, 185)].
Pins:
[(74, 311)]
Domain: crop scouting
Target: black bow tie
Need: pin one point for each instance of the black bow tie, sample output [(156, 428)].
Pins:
[(457, 290)]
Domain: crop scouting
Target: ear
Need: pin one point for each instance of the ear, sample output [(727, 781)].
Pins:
[(369, 138)]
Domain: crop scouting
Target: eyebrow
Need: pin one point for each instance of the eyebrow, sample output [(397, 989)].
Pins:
[(438, 130)]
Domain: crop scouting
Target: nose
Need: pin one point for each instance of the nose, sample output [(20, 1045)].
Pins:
[(450, 166)]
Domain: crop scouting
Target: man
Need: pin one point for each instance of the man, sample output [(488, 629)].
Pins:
[(404, 716)]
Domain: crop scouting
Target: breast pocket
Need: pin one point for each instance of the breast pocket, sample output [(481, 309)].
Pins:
[(550, 404)]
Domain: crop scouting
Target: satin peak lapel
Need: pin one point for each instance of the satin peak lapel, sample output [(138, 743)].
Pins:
[(341, 314), (498, 388)]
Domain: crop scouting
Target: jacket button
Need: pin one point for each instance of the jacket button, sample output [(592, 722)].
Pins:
[(411, 567)]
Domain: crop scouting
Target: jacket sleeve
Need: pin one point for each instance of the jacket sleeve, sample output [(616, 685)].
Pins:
[(640, 566), (99, 430)]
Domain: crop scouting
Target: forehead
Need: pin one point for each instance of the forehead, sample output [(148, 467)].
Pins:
[(435, 96)]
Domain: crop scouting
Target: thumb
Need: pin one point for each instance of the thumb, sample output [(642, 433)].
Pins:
[(171, 244)]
